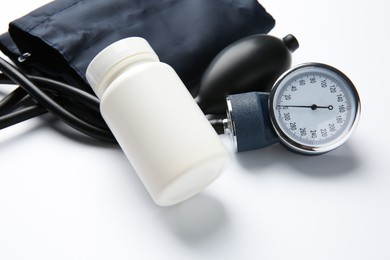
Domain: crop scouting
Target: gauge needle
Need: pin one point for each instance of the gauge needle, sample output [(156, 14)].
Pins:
[(312, 107)]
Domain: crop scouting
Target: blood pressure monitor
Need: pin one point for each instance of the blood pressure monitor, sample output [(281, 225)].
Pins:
[(312, 109)]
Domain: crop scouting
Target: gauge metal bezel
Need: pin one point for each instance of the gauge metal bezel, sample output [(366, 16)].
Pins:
[(313, 149)]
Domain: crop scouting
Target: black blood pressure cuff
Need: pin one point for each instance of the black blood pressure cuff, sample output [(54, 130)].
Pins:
[(61, 38)]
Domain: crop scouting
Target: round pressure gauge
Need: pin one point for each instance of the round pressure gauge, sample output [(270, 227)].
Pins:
[(314, 108)]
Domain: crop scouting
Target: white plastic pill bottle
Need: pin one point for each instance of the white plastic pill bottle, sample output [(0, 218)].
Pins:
[(164, 134)]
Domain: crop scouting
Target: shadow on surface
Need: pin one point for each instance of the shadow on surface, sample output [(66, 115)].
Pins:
[(332, 164), (197, 219)]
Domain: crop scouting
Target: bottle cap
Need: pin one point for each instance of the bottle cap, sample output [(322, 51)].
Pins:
[(128, 49)]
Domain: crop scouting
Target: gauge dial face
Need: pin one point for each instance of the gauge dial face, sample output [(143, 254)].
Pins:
[(314, 108)]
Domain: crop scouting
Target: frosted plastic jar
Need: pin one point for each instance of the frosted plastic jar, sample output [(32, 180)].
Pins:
[(164, 134)]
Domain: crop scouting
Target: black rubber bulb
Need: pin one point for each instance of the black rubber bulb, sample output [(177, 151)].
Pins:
[(251, 64)]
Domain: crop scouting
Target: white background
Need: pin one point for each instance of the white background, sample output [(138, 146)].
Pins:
[(65, 197)]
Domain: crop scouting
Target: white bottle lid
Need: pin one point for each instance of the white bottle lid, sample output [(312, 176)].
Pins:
[(126, 51)]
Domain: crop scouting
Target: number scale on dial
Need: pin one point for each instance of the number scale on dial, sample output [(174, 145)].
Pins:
[(314, 106)]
